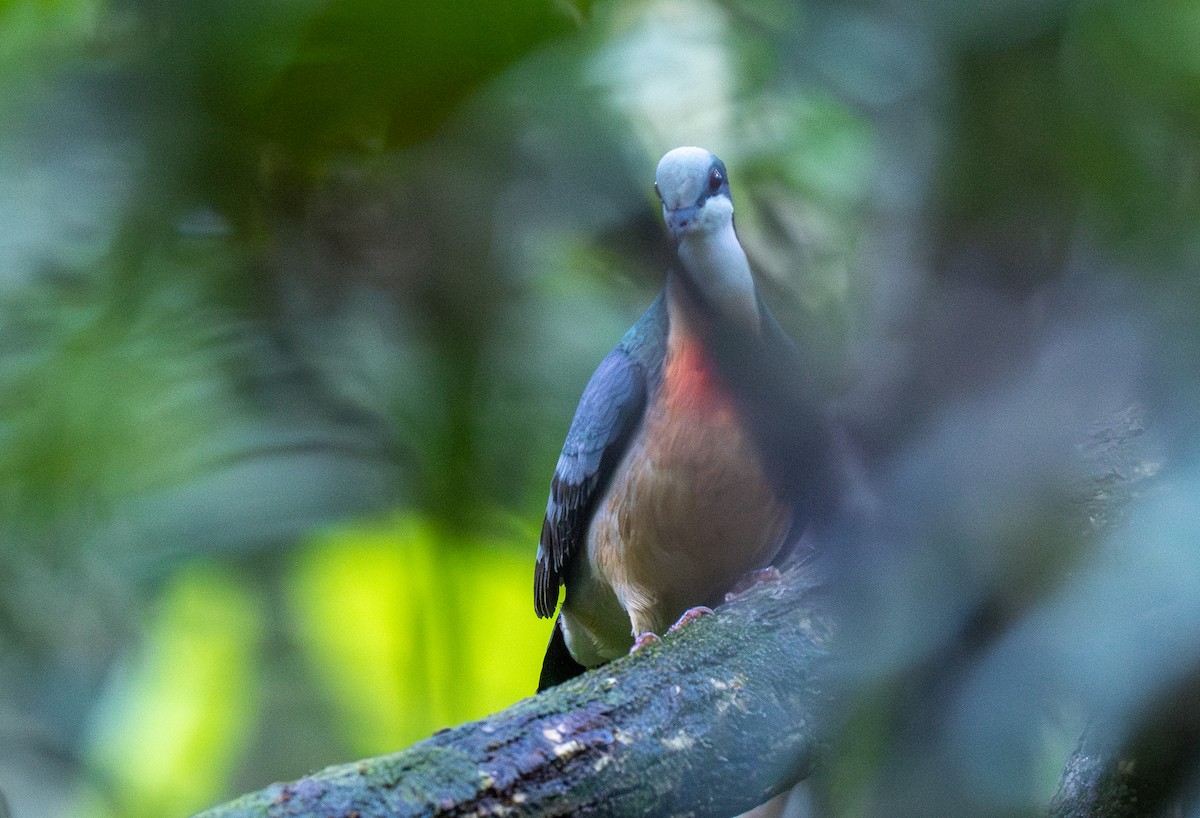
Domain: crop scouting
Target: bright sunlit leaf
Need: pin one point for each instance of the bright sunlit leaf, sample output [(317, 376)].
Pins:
[(167, 733), (413, 629)]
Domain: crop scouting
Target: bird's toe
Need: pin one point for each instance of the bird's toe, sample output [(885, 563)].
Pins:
[(690, 615), (643, 639)]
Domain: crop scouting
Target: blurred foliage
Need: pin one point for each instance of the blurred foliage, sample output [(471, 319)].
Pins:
[(412, 629), (163, 731), (298, 299)]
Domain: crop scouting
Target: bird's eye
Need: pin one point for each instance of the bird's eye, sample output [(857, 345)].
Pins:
[(715, 180), (657, 192)]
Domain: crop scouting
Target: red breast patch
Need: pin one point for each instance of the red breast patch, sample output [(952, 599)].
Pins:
[(692, 381)]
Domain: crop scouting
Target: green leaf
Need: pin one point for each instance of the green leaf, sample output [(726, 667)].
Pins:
[(167, 731), (412, 629)]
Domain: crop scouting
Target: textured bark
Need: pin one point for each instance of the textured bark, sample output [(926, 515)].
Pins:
[(1094, 785), (1148, 774), (720, 717)]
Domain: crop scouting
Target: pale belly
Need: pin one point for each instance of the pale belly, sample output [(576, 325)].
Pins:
[(689, 513)]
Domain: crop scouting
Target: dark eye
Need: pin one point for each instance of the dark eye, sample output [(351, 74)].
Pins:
[(657, 192), (715, 180)]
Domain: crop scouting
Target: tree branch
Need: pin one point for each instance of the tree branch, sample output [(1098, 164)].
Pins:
[(1143, 775), (717, 719), (725, 714)]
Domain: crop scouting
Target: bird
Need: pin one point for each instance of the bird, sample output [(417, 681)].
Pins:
[(697, 452)]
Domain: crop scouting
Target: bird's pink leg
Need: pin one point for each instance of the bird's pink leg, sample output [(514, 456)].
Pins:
[(650, 638), (690, 615)]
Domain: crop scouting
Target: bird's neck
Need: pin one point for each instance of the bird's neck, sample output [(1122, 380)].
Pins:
[(716, 266)]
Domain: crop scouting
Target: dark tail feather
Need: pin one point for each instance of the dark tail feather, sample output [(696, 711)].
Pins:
[(558, 666)]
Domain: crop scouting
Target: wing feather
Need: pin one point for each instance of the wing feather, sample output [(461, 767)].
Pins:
[(608, 414)]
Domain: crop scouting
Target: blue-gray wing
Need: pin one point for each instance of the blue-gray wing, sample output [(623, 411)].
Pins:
[(608, 414)]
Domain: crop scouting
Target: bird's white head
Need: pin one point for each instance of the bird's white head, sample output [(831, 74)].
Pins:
[(698, 210), (694, 190)]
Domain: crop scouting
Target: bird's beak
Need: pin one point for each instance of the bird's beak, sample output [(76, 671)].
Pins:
[(678, 221)]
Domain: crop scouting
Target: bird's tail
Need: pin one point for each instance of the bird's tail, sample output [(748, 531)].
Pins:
[(559, 665)]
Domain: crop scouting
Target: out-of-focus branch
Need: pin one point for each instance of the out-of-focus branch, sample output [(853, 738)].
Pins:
[(1145, 774), (719, 718)]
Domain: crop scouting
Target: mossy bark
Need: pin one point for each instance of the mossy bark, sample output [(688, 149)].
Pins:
[(717, 719)]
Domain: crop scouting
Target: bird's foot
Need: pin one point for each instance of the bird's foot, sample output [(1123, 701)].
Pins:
[(768, 574), (690, 615), (643, 639)]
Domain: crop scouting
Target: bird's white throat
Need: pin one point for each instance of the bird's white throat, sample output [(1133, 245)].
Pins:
[(717, 264)]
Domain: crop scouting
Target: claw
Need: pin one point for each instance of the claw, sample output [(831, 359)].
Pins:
[(690, 615), (643, 639), (768, 574)]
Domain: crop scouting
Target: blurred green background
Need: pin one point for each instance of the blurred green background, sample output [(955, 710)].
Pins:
[(298, 298)]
